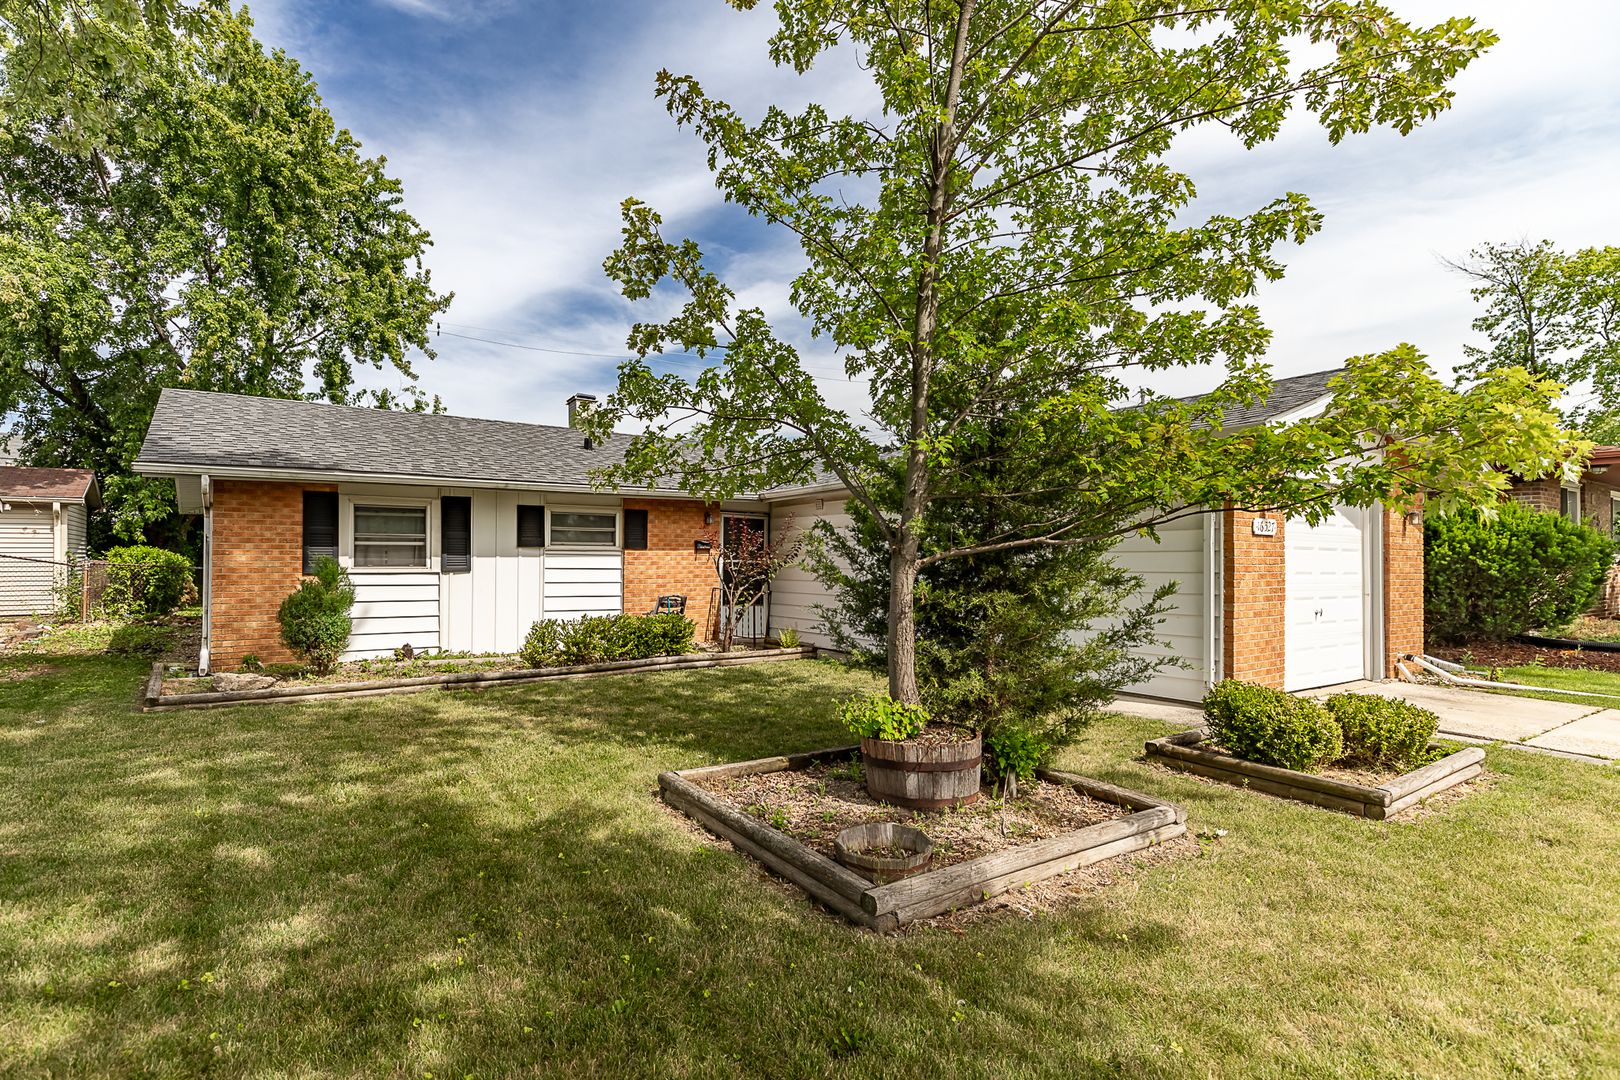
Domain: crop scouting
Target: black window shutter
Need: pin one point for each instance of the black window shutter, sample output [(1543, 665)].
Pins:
[(455, 534), (531, 526), (635, 530), (320, 527)]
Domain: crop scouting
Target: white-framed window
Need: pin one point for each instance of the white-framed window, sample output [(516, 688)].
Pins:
[(390, 535), (1614, 514), (1569, 502), (582, 527)]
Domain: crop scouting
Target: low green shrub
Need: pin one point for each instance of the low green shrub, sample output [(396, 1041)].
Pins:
[(1270, 726), (314, 618), (881, 717), (596, 639), (1383, 731), (1016, 750), (142, 640), (144, 581)]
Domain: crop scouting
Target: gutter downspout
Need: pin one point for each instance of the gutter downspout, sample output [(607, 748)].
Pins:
[(207, 574)]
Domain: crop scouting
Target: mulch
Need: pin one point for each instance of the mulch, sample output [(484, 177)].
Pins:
[(1042, 899), (814, 805), (1519, 654)]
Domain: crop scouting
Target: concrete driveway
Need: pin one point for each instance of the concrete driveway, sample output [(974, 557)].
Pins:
[(1588, 731)]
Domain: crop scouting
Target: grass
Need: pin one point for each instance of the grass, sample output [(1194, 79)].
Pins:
[(453, 885), (1555, 679)]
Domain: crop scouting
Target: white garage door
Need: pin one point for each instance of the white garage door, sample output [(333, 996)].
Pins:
[(1324, 629)]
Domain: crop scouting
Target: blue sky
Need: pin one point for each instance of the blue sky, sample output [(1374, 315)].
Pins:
[(518, 128)]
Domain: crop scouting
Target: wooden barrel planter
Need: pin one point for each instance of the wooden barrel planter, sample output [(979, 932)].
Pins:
[(923, 776), (852, 846)]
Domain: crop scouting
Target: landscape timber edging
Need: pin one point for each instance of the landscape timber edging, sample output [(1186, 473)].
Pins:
[(888, 907), (1181, 751), (157, 701)]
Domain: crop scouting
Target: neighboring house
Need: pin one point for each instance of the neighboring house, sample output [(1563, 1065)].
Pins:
[(1594, 500), (44, 518), (460, 533)]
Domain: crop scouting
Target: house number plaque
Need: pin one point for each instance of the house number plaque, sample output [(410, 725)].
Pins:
[(1265, 527)]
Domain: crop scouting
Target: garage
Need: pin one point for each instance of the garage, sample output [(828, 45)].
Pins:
[(1325, 618)]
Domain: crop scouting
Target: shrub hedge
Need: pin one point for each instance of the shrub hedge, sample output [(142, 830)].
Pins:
[(1277, 728), (1270, 726), (1524, 570), (144, 582), (1383, 731), (596, 639)]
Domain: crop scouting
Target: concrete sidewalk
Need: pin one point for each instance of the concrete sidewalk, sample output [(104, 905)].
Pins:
[(1589, 731)]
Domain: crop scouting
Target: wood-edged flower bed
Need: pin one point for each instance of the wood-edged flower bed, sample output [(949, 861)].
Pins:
[(485, 674), (1126, 821), (1186, 751)]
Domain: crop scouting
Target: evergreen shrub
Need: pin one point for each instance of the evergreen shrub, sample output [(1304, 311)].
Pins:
[(1524, 570), (1272, 727), (1383, 731), (314, 618), (144, 582)]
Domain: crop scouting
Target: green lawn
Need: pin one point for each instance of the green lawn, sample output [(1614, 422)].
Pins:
[(482, 885), (1592, 682)]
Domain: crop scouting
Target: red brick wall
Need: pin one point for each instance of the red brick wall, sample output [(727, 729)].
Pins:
[(669, 565), (1254, 602), (258, 559), (1403, 588), (1537, 494)]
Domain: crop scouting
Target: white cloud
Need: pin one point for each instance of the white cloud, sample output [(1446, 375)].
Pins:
[(516, 141)]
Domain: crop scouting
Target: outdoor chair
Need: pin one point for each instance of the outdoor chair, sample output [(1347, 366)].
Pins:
[(670, 605)]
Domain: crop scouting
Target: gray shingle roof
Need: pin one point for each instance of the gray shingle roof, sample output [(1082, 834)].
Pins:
[(198, 428), (1286, 396)]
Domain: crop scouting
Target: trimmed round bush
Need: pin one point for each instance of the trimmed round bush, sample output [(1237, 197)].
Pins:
[(1524, 570), (314, 618), (1272, 727), (144, 582), (1383, 731)]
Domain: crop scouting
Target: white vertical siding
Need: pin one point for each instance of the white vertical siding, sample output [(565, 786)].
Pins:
[(491, 607), (583, 583), (392, 608), (25, 587), (796, 592), (1178, 556)]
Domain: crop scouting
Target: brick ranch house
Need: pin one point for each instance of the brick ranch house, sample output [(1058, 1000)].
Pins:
[(460, 533)]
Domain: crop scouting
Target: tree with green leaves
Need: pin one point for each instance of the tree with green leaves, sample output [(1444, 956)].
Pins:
[(77, 59), (225, 235), (1555, 315), (999, 248)]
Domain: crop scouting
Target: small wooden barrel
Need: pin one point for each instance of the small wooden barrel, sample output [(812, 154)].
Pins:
[(924, 777), (851, 847)]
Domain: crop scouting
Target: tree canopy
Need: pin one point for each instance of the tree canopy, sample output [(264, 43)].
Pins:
[(1555, 315), (224, 235), (62, 57), (1001, 249)]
